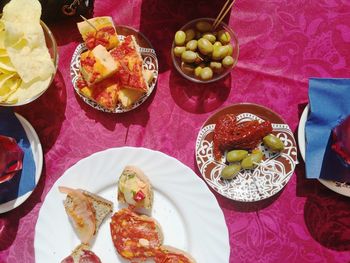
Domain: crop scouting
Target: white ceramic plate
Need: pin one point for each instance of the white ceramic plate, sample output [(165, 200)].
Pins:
[(338, 187), (185, 208), (38, 159)]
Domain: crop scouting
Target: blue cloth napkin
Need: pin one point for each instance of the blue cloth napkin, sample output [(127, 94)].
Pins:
[(329, 101), (25, 180)]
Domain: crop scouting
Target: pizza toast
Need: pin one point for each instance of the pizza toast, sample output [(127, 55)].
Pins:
[(86, 210), (82, 253), (134, 188)]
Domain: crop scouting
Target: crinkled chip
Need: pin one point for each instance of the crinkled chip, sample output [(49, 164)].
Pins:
[(5, 63), (22, 11), (25, 40), (9, 83), (28, 90)]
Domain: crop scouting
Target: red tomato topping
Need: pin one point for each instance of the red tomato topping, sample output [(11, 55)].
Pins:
[(229, 134), (81, 83), (89, 257), (139, 196), (134, 236), (88, 62)]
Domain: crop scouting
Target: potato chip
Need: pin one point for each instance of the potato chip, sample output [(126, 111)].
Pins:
[(26, 91), (9, 83), (25, 40), (22, 11), (3, 52), (5, 63)]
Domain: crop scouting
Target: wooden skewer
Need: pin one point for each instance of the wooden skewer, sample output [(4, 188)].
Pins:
[(223, 13), (87, 21)]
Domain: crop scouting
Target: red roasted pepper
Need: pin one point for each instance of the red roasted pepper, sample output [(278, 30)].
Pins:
[(139, 196)]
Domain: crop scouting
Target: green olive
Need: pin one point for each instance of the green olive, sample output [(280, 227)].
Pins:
[(204, 46), (180, 37), (230, 171), (273, 143), (178, 51), (187, 68), (188, 56), (236, 155), (203, 26), (190, 34), (197, 71), (252, 160), (217, 44), (216, 66), (210, 37), (219, 52), (224, 37), (191, 45), (227, 62), (206, 73), (230, 49)]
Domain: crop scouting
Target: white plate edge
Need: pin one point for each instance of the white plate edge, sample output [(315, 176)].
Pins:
[(302, 147), (38, 159)]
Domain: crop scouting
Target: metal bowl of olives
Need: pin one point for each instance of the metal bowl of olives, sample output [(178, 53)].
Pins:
[(204, 55)]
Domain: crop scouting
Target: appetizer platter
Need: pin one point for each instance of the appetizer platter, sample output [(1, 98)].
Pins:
[(150, 208), (115, 69), (38, 159), (342, 188), (252, 163)]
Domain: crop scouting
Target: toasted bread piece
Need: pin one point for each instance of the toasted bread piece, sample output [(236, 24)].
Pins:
[(105, 93), (81, 213), (171, 254), (102, 206), (130, 71), (98, 30), (97, 65), (82, 253), (135, 237), (98, 206), (128, 97), (134, 188)]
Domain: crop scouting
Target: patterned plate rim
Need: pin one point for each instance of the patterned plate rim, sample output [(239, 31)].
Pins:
[(147, 55), (293, 151)]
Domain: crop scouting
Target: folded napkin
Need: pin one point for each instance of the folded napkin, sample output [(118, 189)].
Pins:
[(329, 101), (25, 180)]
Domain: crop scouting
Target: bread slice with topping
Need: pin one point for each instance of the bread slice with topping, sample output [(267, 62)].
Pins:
[(97, 65), (136, 237), (102, 206), (98, 30), (171, 254), (82, 253), (86, 211), (134, 188)]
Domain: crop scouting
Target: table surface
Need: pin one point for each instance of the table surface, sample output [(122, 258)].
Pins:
[(282, 44)]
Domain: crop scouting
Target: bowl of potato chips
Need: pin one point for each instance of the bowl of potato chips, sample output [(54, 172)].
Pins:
[(28, 53)]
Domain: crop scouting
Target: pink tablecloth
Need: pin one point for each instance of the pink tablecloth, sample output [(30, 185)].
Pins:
[(282, 43)]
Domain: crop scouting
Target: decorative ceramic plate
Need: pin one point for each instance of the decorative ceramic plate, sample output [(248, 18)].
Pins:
[(38, 159), (265, 180), (150, 62), (186, 209), (342, 188)]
